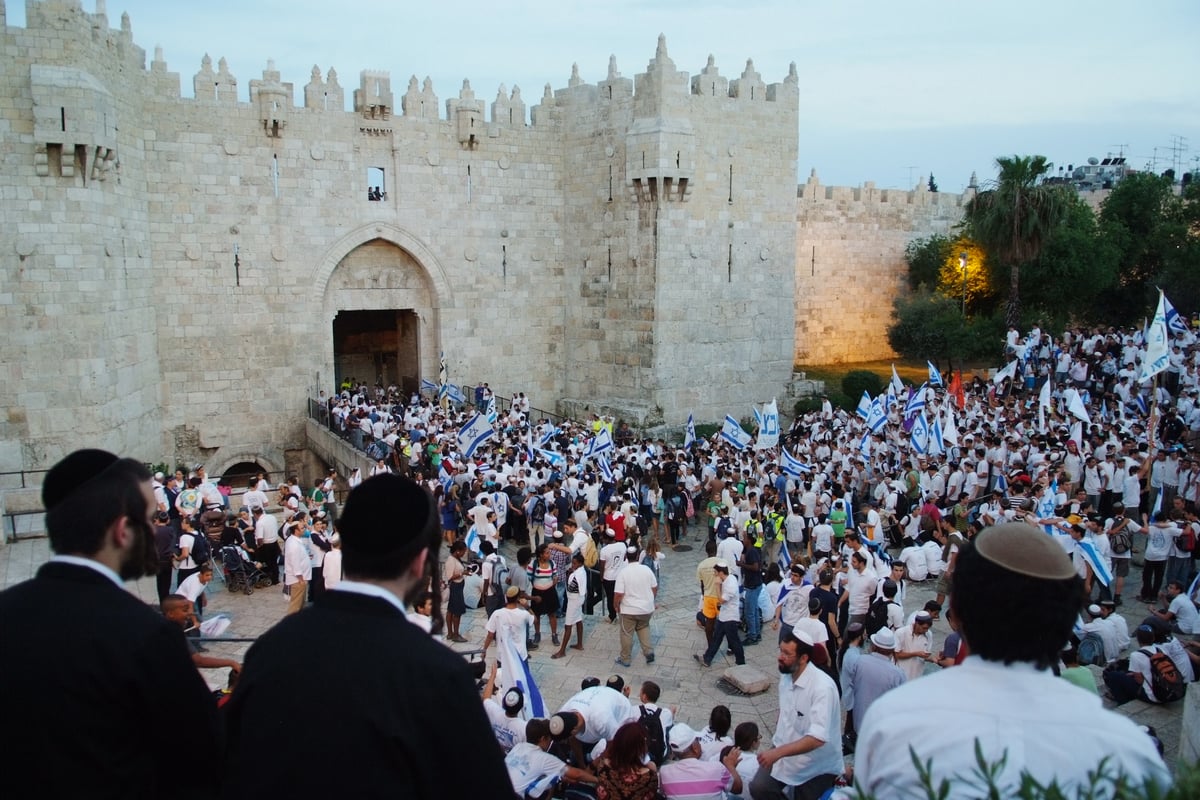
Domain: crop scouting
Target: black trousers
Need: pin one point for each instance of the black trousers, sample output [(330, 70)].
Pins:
[(610, 590)]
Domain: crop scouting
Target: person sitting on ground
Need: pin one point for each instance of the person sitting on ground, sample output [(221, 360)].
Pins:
[(533, 771), (691, 777), (178, 609)]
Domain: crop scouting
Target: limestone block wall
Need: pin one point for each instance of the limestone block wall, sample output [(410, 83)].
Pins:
[(78, 362), (849, 263)]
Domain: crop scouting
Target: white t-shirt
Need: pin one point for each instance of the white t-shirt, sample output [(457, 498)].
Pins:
[(509, 731), (1182, 607), (192, 588), (913, 558), (636, 583), (604, 710), (528, 765)]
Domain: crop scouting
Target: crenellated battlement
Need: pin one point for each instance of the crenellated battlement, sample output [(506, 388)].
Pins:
[(813, 193)]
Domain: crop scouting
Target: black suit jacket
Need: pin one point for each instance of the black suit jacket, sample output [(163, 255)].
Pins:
[(101, 696), (350, 699)]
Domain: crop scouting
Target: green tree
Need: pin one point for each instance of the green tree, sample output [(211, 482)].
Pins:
[(1013, 219), (925, 258), (1075, 275), (1155, 239), (930, 326)]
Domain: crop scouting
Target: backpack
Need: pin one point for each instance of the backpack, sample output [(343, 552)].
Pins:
[(877, 615), (538, 512), (656, 737), (1165, 679), (501, 578), (591, 556), (1091, 650), (1121, 541), (724, 526), (1186, 542), (201, 552)]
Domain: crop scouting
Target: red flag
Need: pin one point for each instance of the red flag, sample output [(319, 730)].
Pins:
[(956, 391)]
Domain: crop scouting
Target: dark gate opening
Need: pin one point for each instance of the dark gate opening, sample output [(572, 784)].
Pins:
[(377, 347)]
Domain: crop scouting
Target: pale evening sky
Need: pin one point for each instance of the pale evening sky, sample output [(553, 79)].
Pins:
[(888, 91)]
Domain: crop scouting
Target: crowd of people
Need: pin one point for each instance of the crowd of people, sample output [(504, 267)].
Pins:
[(1024, 496)]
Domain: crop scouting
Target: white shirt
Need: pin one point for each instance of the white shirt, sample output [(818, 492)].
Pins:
[(1052, 731), (1185, 613), (266, 529), (731, 610), (808, 706), (913, 558), (909, 641), (613, 556), (529, 764), (636, 584), (730, 551), (604, 710), (297, 565)]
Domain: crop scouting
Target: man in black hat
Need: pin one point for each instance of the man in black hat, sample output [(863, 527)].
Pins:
[(96, 677), (403, 700)]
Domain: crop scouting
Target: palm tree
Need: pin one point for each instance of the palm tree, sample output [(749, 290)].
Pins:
[(1013, 218)]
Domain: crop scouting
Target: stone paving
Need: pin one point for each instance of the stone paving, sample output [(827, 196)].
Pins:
[(686, 686)]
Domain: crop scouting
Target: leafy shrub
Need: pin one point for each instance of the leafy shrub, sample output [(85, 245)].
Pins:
[(856, 382)]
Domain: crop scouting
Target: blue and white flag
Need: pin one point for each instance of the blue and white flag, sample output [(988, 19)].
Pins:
[(689, 433), (864, 406), (1088, 550), (886, 400), (876, 417), (935, 377), (489, 410), (473, 541), (600, 444), (428, 385), (605, 469), (548, 435), (1175, 323), (897, 385), (517, 673), (1142, 405), (1158, 349), (732, 432), (916, 402), (864, 445), (919, 435), (556, 460), (454, 393), (785, 559), (473, 434), (768, 429), (791, 465), (1001, 483), (445, 478), (937, 445)]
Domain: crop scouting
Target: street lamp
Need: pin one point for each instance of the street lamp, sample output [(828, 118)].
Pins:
[(962, 263)]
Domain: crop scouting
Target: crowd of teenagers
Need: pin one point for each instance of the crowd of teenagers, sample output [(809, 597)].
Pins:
[(1030, 497)]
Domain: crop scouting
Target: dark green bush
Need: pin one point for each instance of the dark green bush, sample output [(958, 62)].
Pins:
[(860, 380)]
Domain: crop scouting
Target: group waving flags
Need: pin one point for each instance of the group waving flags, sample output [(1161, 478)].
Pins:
[(768, 429), (791, 465), (689, 433), (935, 377), (473, 434), (1158, 350), (600, 444)]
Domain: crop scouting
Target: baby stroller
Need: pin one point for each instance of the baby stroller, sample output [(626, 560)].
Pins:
[(241, 574)]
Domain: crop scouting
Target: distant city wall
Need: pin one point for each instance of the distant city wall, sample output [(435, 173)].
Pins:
[(850, 263)]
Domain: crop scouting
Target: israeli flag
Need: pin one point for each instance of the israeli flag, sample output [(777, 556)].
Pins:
[(919, 436), (937, 445), (490, 410), (864, 445), (689, 433), (445, 478), (935, 377), (605, 469), (600, 444), (1157, 349), (877, 416), (548, 435), (864, 406), (732, 432), (785, 559), (473, 541), (454, 393), (1088, 550), (897, 385), (1142, 405), (1001, 483), (1175, 323), (768, 429), (556, 460), (473, 434), (916, 402), (791, 465), (517, 673), (428, 385)]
